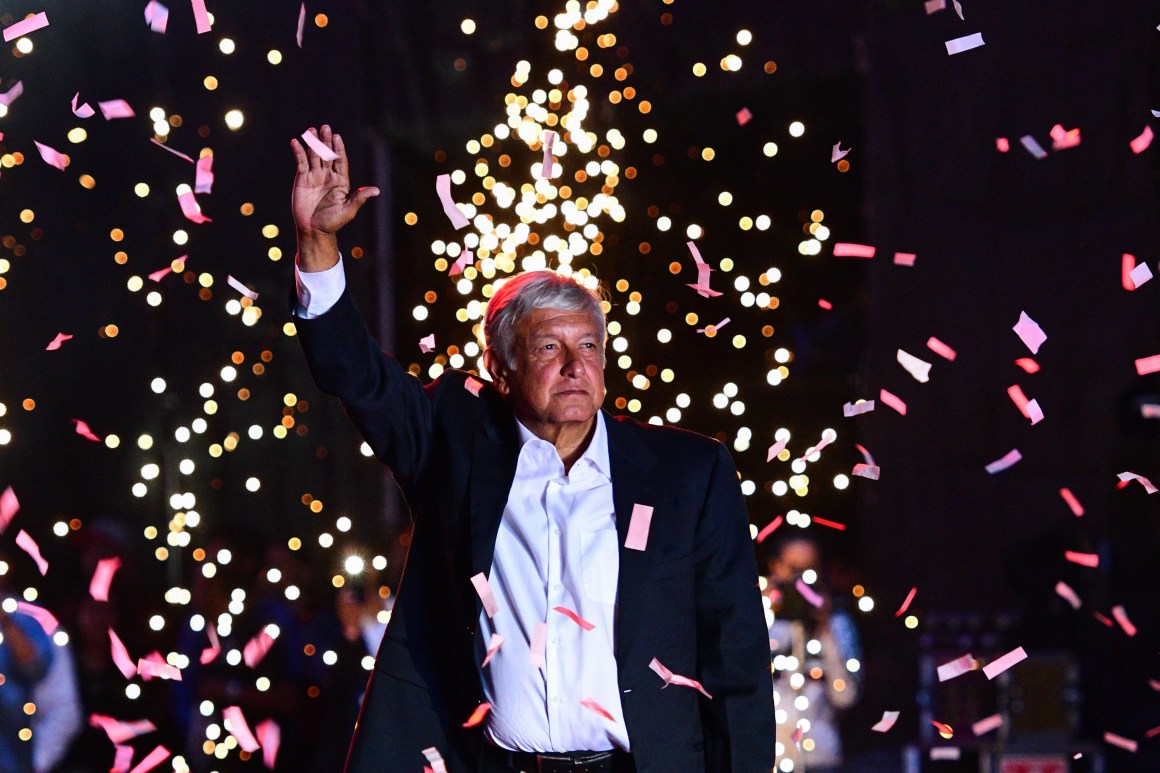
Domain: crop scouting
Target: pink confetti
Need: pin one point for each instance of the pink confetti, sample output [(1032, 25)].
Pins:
[(825, 441), (1153, 732), (1033, 147), (191, 209), (12, 94), (52, 157), (118, 731), (593, 706), (1140, 275), (944, 730), (703, 272), (454, 214), (865, 454), (714, 328), (933, 6), (241, 288), (769, 528), (856, 409), (215, 646), (1009, 459), (103, 578), (1120, 615), (548, 163), (744, 116), (823, 303), (200, 16), (837, 154), (1029, 365), (920, 369), (46, 619), (203, 181), (904, 258), (1072, 502), (986, 725), (828, 523), (168, 149), (638, 525), (116, 108), (1004, 662), (473, 385), (270, 737), (1146, 365), (850, 250), (122, 759), (427, 344), (814, 599), (774, 450), (121, 657), (575, 618), (1154, 684), (1002, 144), (866, 471), (149, 667), (683, 681), (257, 647), (941, 349), (436, 759), (492, 648), (161, 273), (156, 16), (1104, 620), (26, 543), (1118, 740), (1140, 144), (887, 721), (906, 603), (893, 401), (539, 645), (958, 8), (320, 148), (84, 431), (965, 43), (1127, 263), (301, 24), (32, 24), (1068, 594), (56, 342), (240, 729), (1127, 477), (477, 715), (152, 760), (956, 667), (1029, 408), (9, 507), (1090, 560), (1061, 138), (485, 594), (1029, 332)]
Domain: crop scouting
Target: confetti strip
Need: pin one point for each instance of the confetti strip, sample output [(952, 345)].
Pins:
[(904, 258), (103, 577), (156, 16), (1002, 144), (958, 9), (837, 153), (241, 288), (454, 214), (933, 6), (427, 344), (593, 706), (215, 646), (811, 596), (1027, 364), (828, 523), (575, 618), (1140, 275), (920, 369), (1062, 139), (1029, 408), (118, 731), (149, 668), (887, 721), (945, 730), (774, 450), (714, 328), (823, 303), (1090, 560), (865, 454), (84, 431), (1033, 147), (168, 149), (1105, 620), (1127, 263), (52, 157), (850, 250), (56, 342), (865, 471), (744, 116), (122, 759), (41, 615), (1029, 332), (116, 108), (858, 408), (200, 16), (240, 729), (986, 725), (1139, 145), (13, 93), (893, 401), (1009, 459), (473, 385), (9, 507), (769, 528), (152, 760), (203, 182), (485, 594), (1150, 410), (1146, 365), (1130, 476), (161, 273), (191, 209), (703, 272), (31, 24), (1120, 615), (945, 752), (436, 759), (638, 525), (320, 148), (906, 604), (1068, 594), (670, 678), (26, 543), (270, 737), (1004, 662), (301, 24), (257, 647), (956, 667), (492, 648), (477, 715), (121, 657), (1072, 502), (539, 645), (965, 43), (941, 349), (546, 166), (1118, 740)]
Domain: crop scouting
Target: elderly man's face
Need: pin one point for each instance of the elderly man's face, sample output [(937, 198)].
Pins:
[(558, 377)]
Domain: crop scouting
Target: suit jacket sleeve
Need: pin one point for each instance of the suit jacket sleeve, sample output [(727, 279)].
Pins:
[(732, 644)]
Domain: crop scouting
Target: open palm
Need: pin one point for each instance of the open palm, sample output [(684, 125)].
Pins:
[(322, 200)]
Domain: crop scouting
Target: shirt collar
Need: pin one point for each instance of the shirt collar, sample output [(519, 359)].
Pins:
[(595, 455)]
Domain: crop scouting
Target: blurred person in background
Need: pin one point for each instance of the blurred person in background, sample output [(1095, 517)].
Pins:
[(816, 658), (25, 657), (59, 717)]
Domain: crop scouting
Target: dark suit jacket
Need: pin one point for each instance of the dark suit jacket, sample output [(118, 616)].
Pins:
[(690, 599)]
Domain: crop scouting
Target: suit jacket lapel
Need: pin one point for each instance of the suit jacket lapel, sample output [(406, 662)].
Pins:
[(495, 452)]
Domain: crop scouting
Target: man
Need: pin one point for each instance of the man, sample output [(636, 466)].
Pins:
[(532, 533), (25, 657)]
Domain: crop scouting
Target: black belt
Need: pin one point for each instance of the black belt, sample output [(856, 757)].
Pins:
[(614, 761)]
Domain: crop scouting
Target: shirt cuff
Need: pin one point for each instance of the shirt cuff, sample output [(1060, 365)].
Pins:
[(318, 291)]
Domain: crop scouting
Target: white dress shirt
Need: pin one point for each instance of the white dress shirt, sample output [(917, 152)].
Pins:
[(557, 546)]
